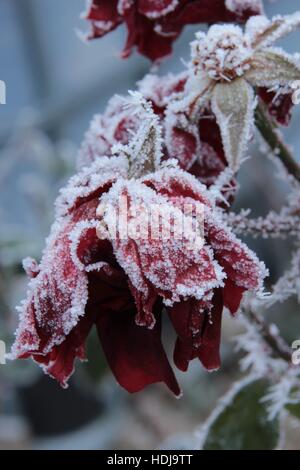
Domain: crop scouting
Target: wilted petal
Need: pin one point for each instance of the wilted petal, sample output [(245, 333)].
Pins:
[(58, 294), (244, 270), (199, 332), (232, 104), (271, 68), (135, 353), (103, 15)]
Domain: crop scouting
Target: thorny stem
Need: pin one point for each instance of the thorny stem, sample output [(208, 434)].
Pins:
[(272, 137), (274, 341)]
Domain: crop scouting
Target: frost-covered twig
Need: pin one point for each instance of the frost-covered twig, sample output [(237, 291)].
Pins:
[(274, 225), (274, 140), (271, 336)]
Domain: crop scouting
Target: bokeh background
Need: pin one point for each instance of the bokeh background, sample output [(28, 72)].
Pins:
[(55, 83)]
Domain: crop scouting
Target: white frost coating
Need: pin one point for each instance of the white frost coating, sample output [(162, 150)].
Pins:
[(280, 26), (30, 266), (286, 391), (115, 125), (57, 296), (160, 89), (222, 53), (248, 278), (159, 10), (101, 172), (239, 6), (74, 237), (124, 5), (67, 295), (144, 151), (176, 267), (257, 357)]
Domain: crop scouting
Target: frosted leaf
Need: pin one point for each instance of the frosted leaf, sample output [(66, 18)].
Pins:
[(272, 68), (265, 32), (144, 150), (232, 105), (284, 392)]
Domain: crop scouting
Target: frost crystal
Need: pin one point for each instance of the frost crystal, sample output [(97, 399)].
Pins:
[(223, 53)]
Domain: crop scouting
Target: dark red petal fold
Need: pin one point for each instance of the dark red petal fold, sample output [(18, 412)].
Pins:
[(199, 332), (280, 107), (135, 353)]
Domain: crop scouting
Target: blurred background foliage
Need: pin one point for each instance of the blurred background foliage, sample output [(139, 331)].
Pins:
[(55, 83)]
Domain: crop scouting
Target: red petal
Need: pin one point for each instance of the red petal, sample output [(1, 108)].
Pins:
[(141, 34), (280, 108), (104, 17), (59, 363), (155, 8), (134, 353), (241, 265), (209, 350), (232, 296), (199, 332)]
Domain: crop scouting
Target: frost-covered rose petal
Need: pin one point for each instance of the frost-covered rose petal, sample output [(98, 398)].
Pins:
[(175, 268), (153, 25)]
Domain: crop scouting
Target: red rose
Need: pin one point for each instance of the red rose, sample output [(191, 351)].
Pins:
[(120, 285), (153, 25)]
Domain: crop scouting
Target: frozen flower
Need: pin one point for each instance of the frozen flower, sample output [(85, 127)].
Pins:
[(90, 274), (153, 25), (229, 67)]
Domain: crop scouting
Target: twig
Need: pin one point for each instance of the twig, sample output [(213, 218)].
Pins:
[(271, 136), (276, 342)]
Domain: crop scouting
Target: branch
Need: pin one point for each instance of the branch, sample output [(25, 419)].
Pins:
[(271, 136), (273, 340)]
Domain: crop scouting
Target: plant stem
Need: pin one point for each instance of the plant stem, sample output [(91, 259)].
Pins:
[(271, 136), (274, 341)]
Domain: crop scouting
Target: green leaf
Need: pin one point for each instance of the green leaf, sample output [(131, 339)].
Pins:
[(232, 104), (244, 424), (294, 409), (272, 68)]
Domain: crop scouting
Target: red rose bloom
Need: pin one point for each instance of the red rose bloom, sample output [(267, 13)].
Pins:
[(90, 274), (153, 25)]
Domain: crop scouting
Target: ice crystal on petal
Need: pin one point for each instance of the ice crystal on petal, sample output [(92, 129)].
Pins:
[(102, 172)]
